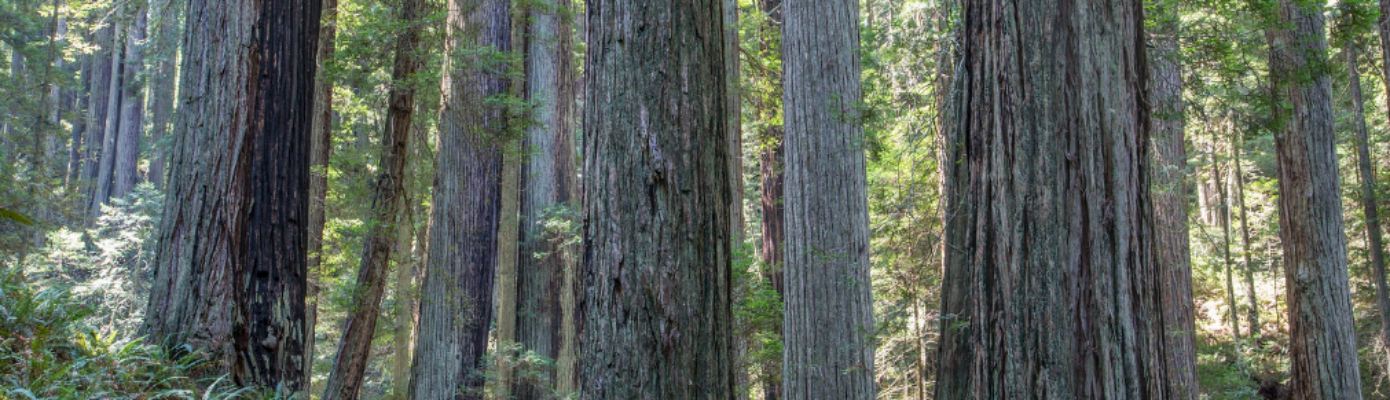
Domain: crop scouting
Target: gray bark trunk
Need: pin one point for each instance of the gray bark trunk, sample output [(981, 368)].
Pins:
[(1052, 288), (98, 92), (828, 324), (1172, 185), (457, 291), (657, 258), (125, 173), (549, 249), (106, 160), (1369, 203), (321, 150), (1322, 349)]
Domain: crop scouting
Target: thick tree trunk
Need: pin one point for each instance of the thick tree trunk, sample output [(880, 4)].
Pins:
[(126, 169), (1172, 184), (1322, 349), (230, 258), (167, 16), (457, 290), (1052, 288), (98, 92), (106, 160), (1369, 202), (548, 203), (828, 327), (345, 382), (657, 256), (321, 149)]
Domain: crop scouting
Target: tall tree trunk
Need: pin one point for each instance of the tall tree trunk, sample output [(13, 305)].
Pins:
[(126, 169), (657, 257), (770, 169), (1172, 185), (345, 382), (230, 258), (1052, 288), (1369, 203), (508, 228), (1252, 299), (456, 293), (167, 14), (1322, 349), (548, 202), (98, 92), (734, 118), (79, 129), (1223, 216), (400, 365), (106, 161), (321, 149), (828, 325)]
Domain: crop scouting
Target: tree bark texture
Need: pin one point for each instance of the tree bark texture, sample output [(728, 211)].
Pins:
[(345, 382), (403, 312), (321, 149), (657, 258), (1323, 363), (457, 291), (1052, 288), (1369, 203), (165, 41), (735, 120), (126, 171), (1172, 186), (106, 154), (97, 96), (549, 201), (230, 258), (828, 325)]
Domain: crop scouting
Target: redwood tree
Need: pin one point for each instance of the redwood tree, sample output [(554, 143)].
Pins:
[(1052, 289), (1322, 342), (657, 321)]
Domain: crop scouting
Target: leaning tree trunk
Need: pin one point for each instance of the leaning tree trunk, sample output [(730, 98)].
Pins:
[(1171, 185), (1369, 204), (828, 326), (456, 293), (1322, 351), (1052, 288), (230, 258), (548, 203), (657, 257), (125, 173), (345, 382), (321, 149)]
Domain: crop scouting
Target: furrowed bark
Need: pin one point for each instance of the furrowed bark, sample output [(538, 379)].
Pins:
[(657, 258), (828, 323), (125, 173), (457, 290), (1051, 286), (1322, 348)]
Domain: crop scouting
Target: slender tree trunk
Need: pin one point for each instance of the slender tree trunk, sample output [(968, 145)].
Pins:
[(1223, 215), (126, 169), (230, 258), (457, 291), (79, 129), (321, 149), (549, 203), (1172, 185), (770, 168), (1252, 299), (345, 382), (828, 327), (507, 251), (106, 162), (657, 256), (1369, 203), (735, 120), (165, 45), (1052, 288), (1322, 349), (400, 366)]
